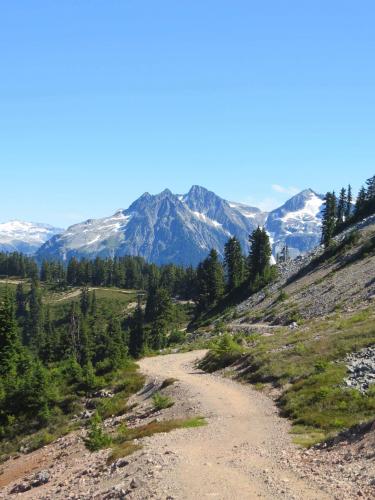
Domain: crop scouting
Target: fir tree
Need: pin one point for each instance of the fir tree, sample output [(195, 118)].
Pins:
[(9, 340), (85, 301), (137, 333), (329, 218), (342, 206), (260, 254), (349, 201), (234, 263), (35, 332), (360, 204)]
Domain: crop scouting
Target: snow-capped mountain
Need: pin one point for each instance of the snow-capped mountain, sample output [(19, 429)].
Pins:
[(25, 237), (182, 229), (161, 228), (297, 223)]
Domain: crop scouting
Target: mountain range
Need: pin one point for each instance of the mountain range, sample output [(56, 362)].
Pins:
[(168, 227), (25, 237)]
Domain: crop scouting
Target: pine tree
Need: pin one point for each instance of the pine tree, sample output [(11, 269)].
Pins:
[(329, 218), (51, 341), (160, 316), (116, 350), (260, 254), (137, 333), (74, 332), (215, 277), (9, 340), (85, 301), (21, 304), (35, 332), (349, 200), (234, 263), (360, 203), (342, 206), (370, 191)]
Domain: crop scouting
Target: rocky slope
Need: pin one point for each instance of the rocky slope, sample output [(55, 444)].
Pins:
[(314, 285), (25, 237), (182, 229)]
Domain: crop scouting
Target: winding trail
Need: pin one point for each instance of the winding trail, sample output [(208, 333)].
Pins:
[(243, 451)]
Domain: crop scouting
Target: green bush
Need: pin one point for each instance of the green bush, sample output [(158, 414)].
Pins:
[(96, 438), (162, 402)]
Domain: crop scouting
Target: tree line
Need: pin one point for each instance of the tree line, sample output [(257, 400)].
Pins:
[(340, 212)]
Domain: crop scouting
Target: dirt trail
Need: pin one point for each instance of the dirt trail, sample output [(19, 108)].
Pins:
[(241, 453)]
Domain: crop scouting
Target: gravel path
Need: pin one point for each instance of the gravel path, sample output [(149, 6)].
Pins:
[(241, 453)]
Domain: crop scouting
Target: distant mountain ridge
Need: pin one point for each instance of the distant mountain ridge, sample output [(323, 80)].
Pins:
[(25, 237), (181, 229)]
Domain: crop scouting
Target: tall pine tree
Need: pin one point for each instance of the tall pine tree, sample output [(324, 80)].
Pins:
[(234, 263)]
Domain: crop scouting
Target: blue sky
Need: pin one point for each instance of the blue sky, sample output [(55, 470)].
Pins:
[(103, 100)]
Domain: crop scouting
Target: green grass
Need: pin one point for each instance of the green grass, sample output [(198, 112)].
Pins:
[(124, 445), (162, 402), (307, 364), (224, 352)]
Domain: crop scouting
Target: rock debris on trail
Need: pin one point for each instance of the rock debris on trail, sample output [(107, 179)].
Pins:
[(244, 452)]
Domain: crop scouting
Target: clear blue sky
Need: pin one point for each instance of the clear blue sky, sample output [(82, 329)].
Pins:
[(103, 100)]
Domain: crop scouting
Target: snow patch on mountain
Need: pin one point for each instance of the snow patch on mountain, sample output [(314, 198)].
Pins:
[(25, 237)]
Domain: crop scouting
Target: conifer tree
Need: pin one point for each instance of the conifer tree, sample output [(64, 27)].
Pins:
[(137, 333), (360, 204), (349, 201), (35, 331), (260, 254), (85, 301), (234, 263), (342, 206), (9, 340), (116, 350), (21, 304), (160, 316), (370, 191), (329, 218)]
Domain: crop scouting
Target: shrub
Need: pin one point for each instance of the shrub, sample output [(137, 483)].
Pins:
[(96, 438), (176, 337), (162, 402)]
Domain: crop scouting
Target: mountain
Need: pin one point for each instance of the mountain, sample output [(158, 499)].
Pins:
[(25, 237), (166, 228), (297, 223), (161, 228)]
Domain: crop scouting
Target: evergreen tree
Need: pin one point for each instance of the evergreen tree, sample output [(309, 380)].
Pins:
[(51, 340), (234, 263), (137, 333), (329, 218), (349, 201), (21, 304), (9, 340), (85, 301), (35, 332), (74, 333), (160, 316), (210, 281), (215, 277), (342, 206), (360, 204), (116, 350), (260, 254), (370, 191), (72, 272)]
